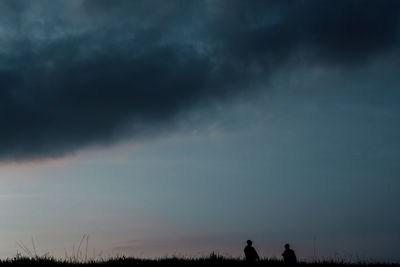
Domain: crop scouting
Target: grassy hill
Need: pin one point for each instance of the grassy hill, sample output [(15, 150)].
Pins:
[(212, 260)]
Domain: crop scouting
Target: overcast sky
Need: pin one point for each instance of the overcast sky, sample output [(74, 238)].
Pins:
[(182, 127)]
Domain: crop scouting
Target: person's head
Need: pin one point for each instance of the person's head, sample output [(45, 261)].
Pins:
[(249, 242), (287, 246)]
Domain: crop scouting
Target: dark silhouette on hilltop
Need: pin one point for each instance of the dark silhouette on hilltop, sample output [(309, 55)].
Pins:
[(288, 255), (250, 252)]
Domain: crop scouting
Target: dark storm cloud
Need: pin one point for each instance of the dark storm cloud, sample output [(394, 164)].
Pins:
[(74, 73)]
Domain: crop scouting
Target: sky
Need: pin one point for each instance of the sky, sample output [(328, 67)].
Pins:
[(158, 128)]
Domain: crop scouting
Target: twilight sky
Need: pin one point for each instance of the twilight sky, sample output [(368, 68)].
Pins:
[(164, 127)]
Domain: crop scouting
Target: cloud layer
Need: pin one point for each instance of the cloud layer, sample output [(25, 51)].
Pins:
[(80, 73)]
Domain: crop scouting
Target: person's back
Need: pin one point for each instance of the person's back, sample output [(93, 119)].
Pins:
[(289, 256), (250, 252)]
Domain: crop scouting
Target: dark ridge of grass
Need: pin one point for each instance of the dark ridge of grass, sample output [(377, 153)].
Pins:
[(212, 260)]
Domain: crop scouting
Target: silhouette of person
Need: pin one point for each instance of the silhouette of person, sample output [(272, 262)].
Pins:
[(289, 256), (250, 252)]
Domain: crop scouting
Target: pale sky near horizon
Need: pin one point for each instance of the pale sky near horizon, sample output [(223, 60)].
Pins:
[(186, 127)]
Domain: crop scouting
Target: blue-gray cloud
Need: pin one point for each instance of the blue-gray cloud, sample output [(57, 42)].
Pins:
[(73, 74)]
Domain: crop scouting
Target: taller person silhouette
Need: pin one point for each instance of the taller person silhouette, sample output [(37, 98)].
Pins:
[(288, 255), (250, 252)]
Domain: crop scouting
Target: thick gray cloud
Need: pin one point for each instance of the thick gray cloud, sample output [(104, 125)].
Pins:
[(74, 73)]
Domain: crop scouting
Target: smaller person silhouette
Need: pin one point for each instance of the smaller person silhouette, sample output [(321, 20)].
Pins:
[(250, 252), (289, 256)]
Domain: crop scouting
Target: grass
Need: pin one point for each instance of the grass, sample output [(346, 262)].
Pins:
[(79, 257), (212, 260)]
